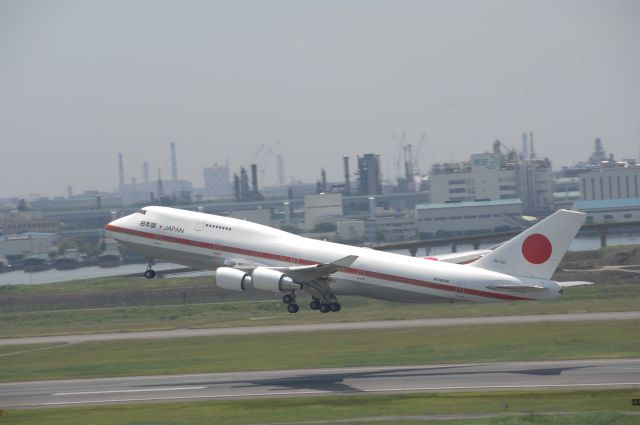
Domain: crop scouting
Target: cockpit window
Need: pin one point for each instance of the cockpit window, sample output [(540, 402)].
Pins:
[(143, 212)]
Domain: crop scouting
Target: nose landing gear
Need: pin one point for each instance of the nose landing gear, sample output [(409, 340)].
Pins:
[(150, 273)]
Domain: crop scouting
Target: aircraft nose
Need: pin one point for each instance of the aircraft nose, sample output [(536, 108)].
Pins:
[(118, 223)]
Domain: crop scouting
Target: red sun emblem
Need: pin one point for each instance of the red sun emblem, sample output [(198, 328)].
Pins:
[(536, 248)]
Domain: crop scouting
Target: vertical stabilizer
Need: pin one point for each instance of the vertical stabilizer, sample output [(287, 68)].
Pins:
[(537, 251)]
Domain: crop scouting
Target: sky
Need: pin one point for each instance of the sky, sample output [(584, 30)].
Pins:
[(82, 80)]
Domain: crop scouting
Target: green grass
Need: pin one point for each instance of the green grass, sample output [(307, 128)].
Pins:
[(606, 297), (573, 407), (540, 341)]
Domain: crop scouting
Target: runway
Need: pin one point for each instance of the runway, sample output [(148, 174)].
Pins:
[(318, 327), (622, 373)]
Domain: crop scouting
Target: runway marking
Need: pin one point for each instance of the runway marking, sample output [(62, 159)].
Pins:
[(284, 393), (499, 387), (316, 392), (130, 391)]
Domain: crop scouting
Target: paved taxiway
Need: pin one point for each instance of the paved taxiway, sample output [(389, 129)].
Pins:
[(621, 373), (387, 324)]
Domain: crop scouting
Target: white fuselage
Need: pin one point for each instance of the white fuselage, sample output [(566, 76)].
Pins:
[(208, 241)]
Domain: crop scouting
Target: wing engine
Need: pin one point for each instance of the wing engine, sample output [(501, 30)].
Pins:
[(233, 279), (271, 280), (261, 278)]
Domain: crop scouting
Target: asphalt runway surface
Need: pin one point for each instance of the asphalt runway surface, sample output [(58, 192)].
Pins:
[(607, 373), (317, 327)]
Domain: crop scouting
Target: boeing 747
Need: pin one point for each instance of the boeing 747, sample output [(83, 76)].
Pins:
[(248, 256)]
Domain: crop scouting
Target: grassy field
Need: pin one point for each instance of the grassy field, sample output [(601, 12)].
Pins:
[(610, 296), (512, 408), (122, 304), (461, 344)]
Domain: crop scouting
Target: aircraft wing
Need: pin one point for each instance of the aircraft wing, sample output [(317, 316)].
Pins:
[(464, 257), (304, 273), (313, 272)]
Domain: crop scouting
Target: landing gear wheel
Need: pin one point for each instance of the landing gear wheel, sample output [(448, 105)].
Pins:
[(293, 308), (315, 304), (335, 307), (150, 274), (287, 299), (324, 308)]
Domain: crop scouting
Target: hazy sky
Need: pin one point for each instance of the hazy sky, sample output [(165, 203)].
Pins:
[(83, 80)]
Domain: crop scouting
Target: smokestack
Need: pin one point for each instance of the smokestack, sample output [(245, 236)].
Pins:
[(280, 168), (160, 187), (145, 172), (372, 207), (236, 186), (525, 147), (324, 181), (254, 178), (532, 152), (121, 171), (347, 183), (174, 163), (244, 184), (286, 207)]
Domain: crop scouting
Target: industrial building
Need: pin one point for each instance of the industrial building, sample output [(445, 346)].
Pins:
[(27, 243), (322, 208), (217, 182), (501, 174), (369, 177), (610, 210), (459, 218), (612, 180), (28, 221)]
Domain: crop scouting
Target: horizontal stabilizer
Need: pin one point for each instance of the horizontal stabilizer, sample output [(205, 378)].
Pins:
[(459, 257), (515, 288), (574, 283)]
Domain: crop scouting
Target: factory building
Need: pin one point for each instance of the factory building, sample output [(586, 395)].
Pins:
[(610, 210), (481, 178), (21, 222), (27, 243), (321, 208), (369, 178), (217, 181), (459, 218), (613, 180), (494, 176)]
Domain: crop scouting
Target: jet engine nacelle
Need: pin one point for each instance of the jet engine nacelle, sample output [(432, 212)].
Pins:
[(273, 280), (232, 279)]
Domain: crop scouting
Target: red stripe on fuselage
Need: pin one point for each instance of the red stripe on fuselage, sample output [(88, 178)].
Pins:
[(301, 261)]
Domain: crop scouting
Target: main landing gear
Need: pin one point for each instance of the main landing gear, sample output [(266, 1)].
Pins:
[(290, 300), (316, 304), (325, 307), (150, 273)]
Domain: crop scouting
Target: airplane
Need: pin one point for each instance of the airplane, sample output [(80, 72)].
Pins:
[(248, 256)]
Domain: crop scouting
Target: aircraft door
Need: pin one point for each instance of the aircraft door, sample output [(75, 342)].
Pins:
[(199, 226), (295, 259), (460, 287)]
